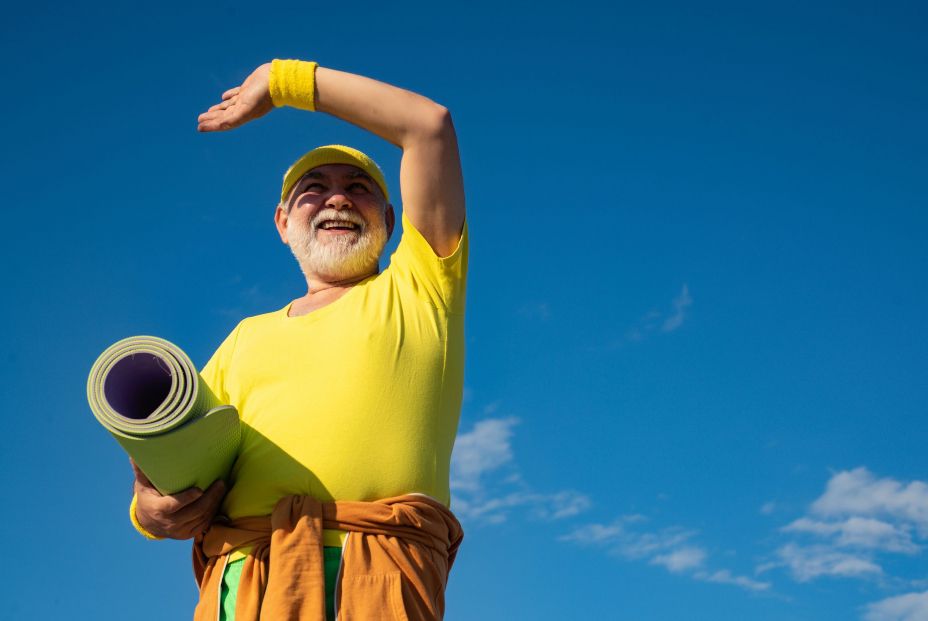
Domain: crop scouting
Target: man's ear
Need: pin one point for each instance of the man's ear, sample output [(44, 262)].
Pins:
[(389, 217), (280, 220)]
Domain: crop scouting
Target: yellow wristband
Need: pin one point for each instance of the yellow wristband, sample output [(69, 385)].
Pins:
[(135, 520), (293, 83)]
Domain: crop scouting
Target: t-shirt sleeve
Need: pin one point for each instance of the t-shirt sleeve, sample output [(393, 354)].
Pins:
[(215, 371), (440, 280)]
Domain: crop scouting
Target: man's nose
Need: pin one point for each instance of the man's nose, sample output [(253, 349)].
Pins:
[(338, 200)]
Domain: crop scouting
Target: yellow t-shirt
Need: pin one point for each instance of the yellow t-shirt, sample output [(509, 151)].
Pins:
[(358, 400)]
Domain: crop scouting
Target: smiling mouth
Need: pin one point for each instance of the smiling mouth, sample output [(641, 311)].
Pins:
[(339, 226)]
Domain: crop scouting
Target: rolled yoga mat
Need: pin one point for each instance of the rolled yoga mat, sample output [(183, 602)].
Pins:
[(146, 392)]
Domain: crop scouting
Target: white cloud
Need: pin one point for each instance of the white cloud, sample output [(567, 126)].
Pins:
[(857, 519), (682, 559), (859, 532), (545, 506), (768, 507), (908, 607), (859, 492), (669, 548), (680, 304), (724, 576), (486, 483), (562, 504), (491, 510), (480, 451), (630, 543), (655, 320), (640, 545), (595, 533), (809, 562)]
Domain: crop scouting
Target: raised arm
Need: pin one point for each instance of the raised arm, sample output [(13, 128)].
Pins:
[(431, 183)]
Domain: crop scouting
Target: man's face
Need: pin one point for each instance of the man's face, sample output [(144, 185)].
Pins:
[(336, 223)]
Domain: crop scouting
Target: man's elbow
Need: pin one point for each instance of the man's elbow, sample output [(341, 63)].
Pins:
[(435, 123)]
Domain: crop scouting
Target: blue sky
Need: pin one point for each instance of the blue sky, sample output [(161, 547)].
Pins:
[(696, 345)]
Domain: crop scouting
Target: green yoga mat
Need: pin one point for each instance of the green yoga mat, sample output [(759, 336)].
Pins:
[(146, 392)]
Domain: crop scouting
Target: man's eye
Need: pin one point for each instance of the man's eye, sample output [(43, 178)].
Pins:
[(315, 187), (358, 186)]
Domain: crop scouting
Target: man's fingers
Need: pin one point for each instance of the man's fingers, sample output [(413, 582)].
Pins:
[(181, 515), (203, 507), (213, 120), (211, 115), (209, 121), (222, 105), (220, 120), (176, 502), (199, 527), (186, 530), (196, 517)]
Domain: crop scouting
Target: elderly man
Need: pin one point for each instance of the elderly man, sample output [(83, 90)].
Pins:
[(349, 396)]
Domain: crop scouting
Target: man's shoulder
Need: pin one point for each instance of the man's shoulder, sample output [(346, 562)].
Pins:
[(252, 323), (264, 317), (437, 280)]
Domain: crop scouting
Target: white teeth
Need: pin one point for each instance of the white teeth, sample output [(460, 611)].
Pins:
[(331, 224)]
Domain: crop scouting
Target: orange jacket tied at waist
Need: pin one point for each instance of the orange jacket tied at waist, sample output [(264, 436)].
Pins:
[(395, 561)]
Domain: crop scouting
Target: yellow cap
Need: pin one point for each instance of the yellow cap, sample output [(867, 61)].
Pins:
[(332, 154)]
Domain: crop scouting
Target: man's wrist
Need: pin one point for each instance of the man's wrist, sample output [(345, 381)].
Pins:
[(293, 83), (135, 520)]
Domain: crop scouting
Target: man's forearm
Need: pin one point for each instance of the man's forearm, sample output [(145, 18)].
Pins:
[(395, 114)]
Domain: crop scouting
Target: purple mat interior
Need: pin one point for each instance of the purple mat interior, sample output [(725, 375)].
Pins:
[(135, 386)]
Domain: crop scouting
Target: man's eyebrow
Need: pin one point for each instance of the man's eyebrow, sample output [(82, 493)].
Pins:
[(314, 175), (300, 182), (360, 173), (310, 175)]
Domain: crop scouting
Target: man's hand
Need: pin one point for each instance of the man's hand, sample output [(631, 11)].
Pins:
[(177, 516), (241, 104)]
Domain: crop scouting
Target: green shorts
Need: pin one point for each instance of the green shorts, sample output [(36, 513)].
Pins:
[(233, 572)]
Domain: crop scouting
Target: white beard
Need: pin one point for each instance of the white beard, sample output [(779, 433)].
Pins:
[(341, 257)]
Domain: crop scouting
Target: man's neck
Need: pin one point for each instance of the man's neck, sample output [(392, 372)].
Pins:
[(321, 292)]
